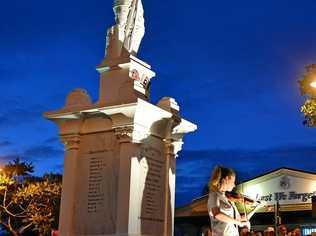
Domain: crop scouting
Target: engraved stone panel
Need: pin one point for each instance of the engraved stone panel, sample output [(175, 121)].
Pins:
[(154, 186), (96, 195), (96, 202), (152, 212)]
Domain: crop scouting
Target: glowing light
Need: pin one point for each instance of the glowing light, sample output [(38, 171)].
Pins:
[(313, 84), (312, 186), (254, 191)]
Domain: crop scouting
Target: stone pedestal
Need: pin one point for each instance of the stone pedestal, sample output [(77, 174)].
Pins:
[(119, 172), (124, 80)]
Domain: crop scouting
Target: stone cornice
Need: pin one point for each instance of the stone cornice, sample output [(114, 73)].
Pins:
[(71, 141), (146, 118), (124, 134)]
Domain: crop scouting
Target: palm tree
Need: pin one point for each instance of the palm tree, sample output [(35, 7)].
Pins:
[(18, 168)]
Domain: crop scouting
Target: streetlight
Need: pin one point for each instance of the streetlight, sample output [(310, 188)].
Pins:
[(313, 84)]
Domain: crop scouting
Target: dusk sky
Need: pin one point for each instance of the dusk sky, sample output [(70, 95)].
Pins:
[(231, 65)]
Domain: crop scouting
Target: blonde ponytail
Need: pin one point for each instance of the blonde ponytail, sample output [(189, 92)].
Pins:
[(218, 174)]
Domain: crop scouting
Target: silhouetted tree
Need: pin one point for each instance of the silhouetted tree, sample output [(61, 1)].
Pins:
[(30, 204), (18, 168)]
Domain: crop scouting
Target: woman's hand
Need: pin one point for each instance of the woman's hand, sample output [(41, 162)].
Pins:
[(243, 223), (243, 218)]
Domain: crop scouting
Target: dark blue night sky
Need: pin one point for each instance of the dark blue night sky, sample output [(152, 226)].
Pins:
[(232, 66)]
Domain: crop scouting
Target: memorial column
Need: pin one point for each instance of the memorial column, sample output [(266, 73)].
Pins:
[(66, 219)]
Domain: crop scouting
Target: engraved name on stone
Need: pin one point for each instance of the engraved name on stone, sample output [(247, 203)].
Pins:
[(154, 187), (95, 191)]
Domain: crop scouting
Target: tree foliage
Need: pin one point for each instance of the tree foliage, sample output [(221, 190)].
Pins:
[(18, 168), (30, 204), (309, 107), (309, 111)]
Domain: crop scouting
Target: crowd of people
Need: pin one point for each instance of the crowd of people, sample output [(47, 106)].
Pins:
[(282, 230), (270, 231)]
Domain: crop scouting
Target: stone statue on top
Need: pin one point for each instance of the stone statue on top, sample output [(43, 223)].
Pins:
[(124, 38)]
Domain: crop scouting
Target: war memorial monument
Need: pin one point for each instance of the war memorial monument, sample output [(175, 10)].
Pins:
[(120, 152)]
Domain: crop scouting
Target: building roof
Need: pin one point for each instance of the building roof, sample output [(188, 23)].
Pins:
[(281, 170)]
